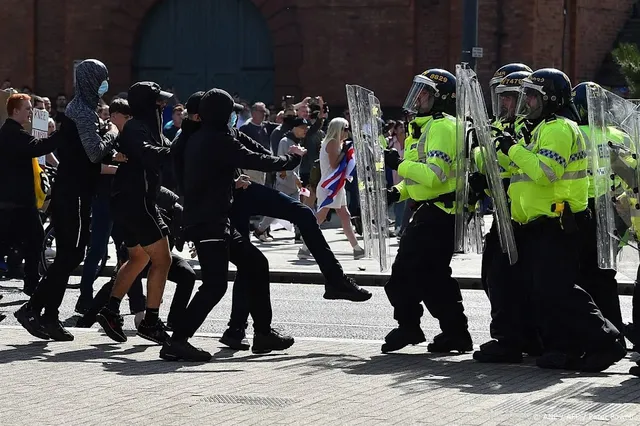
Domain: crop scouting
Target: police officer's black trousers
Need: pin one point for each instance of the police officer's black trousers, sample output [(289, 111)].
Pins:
[(601, 284), (216, 246), (421, 273), (491, 249), (568, 319), (512, 316), (22, 227), (71, 218), (261, 200)]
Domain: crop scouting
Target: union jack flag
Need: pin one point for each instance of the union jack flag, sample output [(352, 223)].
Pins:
[(336, 180)]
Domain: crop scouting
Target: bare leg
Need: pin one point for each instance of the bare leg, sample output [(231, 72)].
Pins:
[(160, 257), (129, 270), (321, 216), (345, 219)]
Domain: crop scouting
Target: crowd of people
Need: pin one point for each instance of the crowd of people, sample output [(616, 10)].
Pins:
[(153, 177)]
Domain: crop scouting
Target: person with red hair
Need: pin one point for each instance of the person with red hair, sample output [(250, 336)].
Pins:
[(19, 217)]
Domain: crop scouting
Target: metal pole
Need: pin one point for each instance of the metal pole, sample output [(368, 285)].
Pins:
[(469, 31)]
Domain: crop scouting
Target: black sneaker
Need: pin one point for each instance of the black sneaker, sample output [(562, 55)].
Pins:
[(55, 330), (235, 338), (30, 320), (400, 337), (346, 289), (182, 350), (272, 341), (29, 287), (111, 322), (157, 332), (443, 343), (83, 305)]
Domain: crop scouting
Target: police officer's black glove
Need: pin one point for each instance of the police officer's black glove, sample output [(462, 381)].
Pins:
[(478, 182), (393, 195), (506, 141), (392, 158)]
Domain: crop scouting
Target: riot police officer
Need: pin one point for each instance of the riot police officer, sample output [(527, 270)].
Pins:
[(600, 283), (548, 192), (496, 80), (421, 271)]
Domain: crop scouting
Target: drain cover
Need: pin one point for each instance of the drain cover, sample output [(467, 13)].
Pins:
[(249, 400)]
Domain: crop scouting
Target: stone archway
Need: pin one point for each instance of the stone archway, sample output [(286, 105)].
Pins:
[(127, 17)]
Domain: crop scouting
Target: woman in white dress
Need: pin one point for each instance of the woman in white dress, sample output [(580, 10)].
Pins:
[(330, 157)]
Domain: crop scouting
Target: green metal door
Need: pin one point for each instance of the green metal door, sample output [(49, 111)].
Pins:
[(196, 45)]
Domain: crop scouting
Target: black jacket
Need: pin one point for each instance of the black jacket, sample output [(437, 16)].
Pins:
[(17, 150), (146, 149), (211, 157)]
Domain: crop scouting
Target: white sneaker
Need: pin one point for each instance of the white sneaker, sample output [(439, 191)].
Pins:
[(304, 253)]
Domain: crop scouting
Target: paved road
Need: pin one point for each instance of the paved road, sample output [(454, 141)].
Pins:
[(333, 375)]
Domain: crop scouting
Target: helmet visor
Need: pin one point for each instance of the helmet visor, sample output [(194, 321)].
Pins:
[(530, 102), (420, 84), (507, 101)]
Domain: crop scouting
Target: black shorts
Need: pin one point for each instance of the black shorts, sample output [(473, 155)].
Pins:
[(139, 221)]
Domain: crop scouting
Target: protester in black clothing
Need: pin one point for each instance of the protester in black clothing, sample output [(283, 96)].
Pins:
[(82, 147), (210, 159), (135, 213), (180, 271), (19, 218)]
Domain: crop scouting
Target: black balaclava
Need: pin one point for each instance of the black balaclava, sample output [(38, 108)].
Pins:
[(215, 110), (143, 97)]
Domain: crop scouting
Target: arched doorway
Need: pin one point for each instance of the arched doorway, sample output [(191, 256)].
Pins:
[(195, 45)]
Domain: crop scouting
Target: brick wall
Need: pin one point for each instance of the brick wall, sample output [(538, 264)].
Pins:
[(321, 45)]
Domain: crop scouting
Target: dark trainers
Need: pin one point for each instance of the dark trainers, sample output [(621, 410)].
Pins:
[(595, 362), (272, 341), (400, 337), (30, 320), (444, 343), (83, 305), (235, 339), (495, 352), (346, 289), (182, 350), (55, 330), (157, 332), (112, 322)]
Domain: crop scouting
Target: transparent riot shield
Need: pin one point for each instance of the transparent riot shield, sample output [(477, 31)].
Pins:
[(612, 144), (364, 109), (468, 222), (481, 125)]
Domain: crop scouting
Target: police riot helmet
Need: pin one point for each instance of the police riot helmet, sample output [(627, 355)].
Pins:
[(579, 98), (441, 84), (507, 93), (544, 93), (501, 73)]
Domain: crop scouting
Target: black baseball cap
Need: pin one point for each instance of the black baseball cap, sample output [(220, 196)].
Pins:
[(299, 121), (193, 103), (143, 88)]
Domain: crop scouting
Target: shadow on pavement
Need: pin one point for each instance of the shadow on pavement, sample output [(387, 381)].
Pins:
[(13, 303)]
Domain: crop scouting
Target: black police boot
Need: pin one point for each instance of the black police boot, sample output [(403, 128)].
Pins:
[(595, 362), (403, 336), (556, 360), (235, 338), (445, 343), (495, 352)]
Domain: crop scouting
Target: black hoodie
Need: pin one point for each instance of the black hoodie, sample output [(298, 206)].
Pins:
[(210, 159), (144, 145)]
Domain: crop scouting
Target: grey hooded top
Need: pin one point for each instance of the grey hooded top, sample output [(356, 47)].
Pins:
[(84, 144), (90, 74)]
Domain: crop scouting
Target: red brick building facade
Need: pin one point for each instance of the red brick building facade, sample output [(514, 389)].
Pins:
[(319, 45)]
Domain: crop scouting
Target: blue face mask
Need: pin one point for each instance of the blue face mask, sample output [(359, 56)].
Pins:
[(104, 87), (233, 119)]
